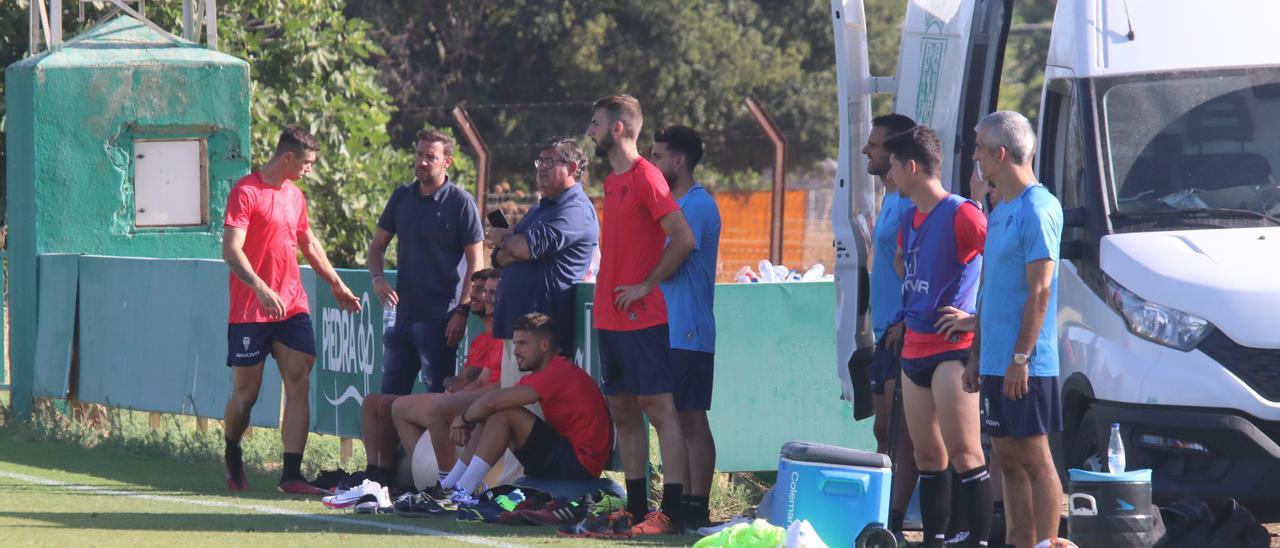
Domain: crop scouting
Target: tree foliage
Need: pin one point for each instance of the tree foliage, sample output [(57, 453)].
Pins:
[(365, 75)]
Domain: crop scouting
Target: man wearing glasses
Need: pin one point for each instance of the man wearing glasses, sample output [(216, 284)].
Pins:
[(549, 249)]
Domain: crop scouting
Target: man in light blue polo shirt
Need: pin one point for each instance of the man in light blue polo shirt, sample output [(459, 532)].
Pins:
[(1016, 347), (692, 325)]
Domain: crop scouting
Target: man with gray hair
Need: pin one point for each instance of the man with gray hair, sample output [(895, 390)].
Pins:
[(1014, 357), (550, 248)]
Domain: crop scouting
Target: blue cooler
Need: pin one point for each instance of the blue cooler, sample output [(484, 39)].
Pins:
[(840, 491)]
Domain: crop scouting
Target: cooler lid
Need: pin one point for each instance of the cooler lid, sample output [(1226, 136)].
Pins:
[(1132, 476), (804, 451)]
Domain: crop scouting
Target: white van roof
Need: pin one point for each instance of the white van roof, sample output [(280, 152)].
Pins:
[(1091, 37)]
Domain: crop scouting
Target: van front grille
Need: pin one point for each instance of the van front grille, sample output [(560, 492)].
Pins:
[(1257, 367)]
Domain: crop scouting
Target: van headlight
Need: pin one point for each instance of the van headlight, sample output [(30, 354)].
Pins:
[(1156, 323)]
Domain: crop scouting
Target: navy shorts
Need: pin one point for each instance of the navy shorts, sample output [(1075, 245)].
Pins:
[(884, 367), (1038, 412), (635, 362), (250, 343), (548, 455), (693, 373), (413, 345), (920, 370)]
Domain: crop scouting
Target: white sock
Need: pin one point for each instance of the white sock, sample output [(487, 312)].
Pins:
[(474, 475), (1046, 543), (451, 479), (442, 476)]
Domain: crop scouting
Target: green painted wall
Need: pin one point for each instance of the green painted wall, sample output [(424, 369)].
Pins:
[(73, 116), (775, 375)]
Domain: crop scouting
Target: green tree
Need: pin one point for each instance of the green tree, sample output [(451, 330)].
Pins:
[(310, 66), (688, 62)]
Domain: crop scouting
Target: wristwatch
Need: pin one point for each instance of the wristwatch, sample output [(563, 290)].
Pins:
[(1020, 358), (464, 309)]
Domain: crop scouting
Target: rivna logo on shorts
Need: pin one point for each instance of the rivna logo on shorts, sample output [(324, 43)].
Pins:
[(245, 342)]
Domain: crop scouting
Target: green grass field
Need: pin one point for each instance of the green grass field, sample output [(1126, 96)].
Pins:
[(59, 494), (117, 482)]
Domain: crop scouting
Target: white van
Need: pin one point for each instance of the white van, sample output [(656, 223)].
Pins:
[(1160, 134)]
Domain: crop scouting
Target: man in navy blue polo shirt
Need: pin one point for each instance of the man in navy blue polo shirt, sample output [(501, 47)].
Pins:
[(691, 320), (1014, 358), (549, 249), (438, 225)]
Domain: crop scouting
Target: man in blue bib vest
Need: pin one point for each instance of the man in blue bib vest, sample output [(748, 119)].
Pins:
[(940, 245), (1017, 325)]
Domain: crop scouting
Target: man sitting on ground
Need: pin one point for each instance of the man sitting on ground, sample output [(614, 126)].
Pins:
[(574, 441), (377, 409), (431, 413)]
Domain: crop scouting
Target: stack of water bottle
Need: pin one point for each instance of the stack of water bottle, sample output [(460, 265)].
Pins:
[(771, 273)]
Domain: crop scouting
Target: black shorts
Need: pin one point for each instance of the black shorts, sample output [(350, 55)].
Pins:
[(884, 367), (693, 374), (1038, 412), (548, 455), (920, 370), (635, 362), (411, 346), (250, 343)]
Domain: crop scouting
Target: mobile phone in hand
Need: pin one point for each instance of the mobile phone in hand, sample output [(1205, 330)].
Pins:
[(497, 219)]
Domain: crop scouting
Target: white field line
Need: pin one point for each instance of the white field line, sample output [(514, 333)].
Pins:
[(263, 509)]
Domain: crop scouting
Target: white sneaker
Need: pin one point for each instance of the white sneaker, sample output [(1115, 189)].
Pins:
[(375, 503), (350, 497)]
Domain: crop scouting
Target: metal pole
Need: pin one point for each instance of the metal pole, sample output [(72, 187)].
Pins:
[(33, 28), (55, 24), (474, 139), (211, 23), (188, 20), (779, 140)]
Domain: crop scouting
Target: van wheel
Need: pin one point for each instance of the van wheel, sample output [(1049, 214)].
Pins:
[(1084, 451)]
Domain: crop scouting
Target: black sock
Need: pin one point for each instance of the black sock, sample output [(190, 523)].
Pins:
[(975, 495), (378, 474), (673, 504), (292, 467), (935, 505), (697, 511), (959, 520), (234, 457), (895, 520), (637, 498)]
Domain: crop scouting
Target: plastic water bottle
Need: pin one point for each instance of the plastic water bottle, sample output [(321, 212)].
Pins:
[(388, 317), (1115, 451)]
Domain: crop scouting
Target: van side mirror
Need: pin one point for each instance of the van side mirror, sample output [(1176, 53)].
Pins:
[(1075, 216), (1071, 249)]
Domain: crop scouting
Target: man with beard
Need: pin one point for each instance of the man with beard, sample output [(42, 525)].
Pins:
[(690, 295), (643, 241), (572, 443), (886, 317)]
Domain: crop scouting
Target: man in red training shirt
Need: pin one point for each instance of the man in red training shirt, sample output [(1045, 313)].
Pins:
[(266, 226)]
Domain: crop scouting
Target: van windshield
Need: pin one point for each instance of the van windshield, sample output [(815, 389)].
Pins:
[(1193, 143)]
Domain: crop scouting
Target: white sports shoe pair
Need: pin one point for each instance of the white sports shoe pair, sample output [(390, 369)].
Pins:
[(368, 497)]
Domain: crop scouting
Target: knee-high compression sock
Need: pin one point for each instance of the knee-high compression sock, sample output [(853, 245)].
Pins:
[(935, 505), (895, 520), (975, 495), (958, 524)]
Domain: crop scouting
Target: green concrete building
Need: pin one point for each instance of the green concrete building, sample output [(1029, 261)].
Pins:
[(123, 142)]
